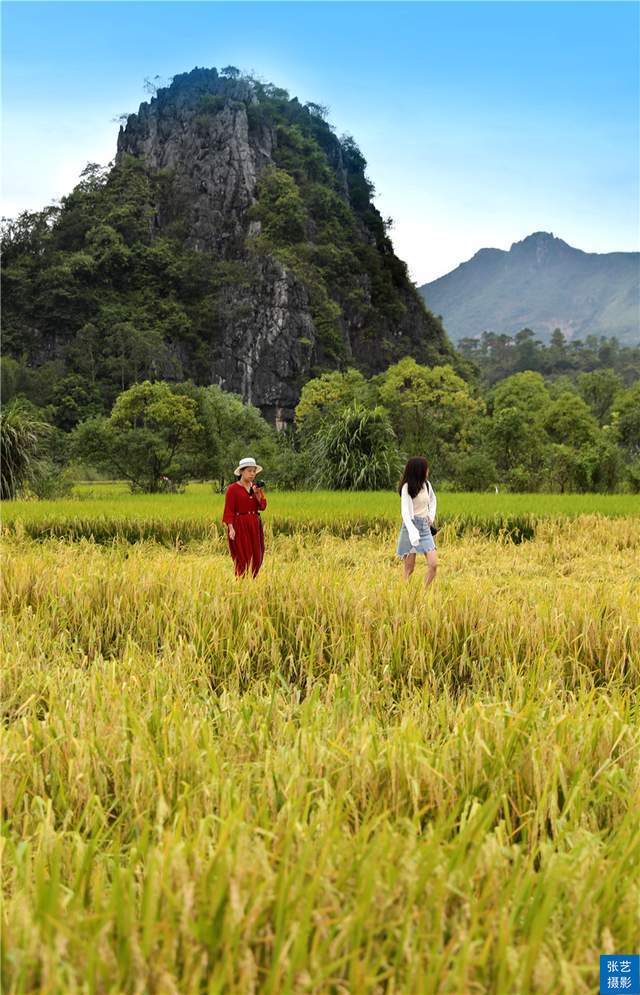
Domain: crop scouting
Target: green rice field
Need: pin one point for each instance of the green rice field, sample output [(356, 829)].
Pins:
[(104, 512)]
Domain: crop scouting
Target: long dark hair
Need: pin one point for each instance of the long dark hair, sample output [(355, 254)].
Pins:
[(415, 475)]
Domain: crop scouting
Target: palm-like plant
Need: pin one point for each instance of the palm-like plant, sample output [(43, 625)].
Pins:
[(21, 437), (356, 451)]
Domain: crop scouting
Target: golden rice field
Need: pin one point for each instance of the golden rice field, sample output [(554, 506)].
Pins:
[(323, 781)]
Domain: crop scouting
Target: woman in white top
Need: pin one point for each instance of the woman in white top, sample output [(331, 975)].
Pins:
[(418, 508)]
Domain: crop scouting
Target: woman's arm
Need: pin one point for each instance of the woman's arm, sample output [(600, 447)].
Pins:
[(406, 509), (230, 508), (260, 497)]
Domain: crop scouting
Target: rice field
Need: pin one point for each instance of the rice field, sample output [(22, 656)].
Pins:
[(323, 781), (107, 512)]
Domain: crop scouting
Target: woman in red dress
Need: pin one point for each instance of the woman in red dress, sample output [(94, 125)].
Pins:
[(242, 506)]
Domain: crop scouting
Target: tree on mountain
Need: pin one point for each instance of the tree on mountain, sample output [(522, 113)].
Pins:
[(497, 356), (13, 379), (317, 110), (280, 208), (134, 352), (74, 400), (527, 353), (556, 355)]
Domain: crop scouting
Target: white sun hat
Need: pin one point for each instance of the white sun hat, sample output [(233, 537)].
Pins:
[(247, 461)]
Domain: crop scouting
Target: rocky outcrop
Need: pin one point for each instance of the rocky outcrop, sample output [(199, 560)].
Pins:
[(206, 137), (197, 131), (268, 338)]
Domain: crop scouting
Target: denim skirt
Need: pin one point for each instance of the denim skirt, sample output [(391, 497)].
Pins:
[(426, 544)]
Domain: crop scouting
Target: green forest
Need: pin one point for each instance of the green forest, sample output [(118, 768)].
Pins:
[(567, 432)]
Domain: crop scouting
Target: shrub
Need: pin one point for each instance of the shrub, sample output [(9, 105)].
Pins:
[(22, 436), (356, 451), (475, 472)]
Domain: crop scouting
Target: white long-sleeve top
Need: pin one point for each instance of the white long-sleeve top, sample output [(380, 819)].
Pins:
[(408, 513)]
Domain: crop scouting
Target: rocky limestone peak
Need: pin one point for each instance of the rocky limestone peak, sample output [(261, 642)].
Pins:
[(541, 247), (319, 286), (536, 238), (197, 132), (235, 241)]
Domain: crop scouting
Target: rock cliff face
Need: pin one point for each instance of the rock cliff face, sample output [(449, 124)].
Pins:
[(198, 129), (267, 340), (298, 307)]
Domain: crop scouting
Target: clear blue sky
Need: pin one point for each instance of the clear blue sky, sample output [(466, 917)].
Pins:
[(481, 122)]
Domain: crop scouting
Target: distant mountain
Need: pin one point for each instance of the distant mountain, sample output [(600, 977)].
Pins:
[(540, 283)]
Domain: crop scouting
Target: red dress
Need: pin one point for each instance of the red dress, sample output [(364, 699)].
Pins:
[(241, 509)]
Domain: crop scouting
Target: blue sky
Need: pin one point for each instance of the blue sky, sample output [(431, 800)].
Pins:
[(481, 122)]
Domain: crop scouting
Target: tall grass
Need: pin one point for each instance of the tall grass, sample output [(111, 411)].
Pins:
[(321, 781)]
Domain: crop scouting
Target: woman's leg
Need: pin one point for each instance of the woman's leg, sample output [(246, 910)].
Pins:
[(409, 565), (432, 567)]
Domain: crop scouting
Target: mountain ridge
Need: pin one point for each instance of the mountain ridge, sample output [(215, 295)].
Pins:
[(540, 282)]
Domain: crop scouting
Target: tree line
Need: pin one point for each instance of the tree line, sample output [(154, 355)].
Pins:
[(578, 432), (496, 356)]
